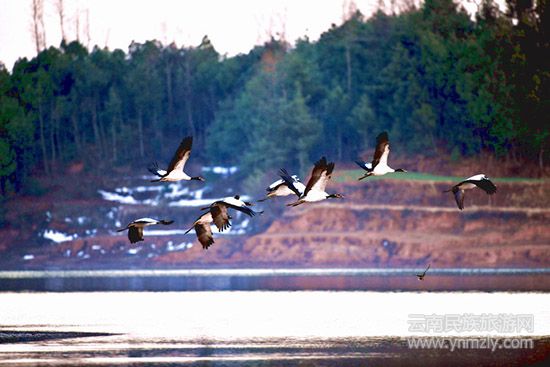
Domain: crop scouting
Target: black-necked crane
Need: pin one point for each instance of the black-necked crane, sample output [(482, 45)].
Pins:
[(316, 185), (203, 229), (281, 188), (175, 172), (237, 203), (135, 228), (479, 180), (379, 165), (218, 214), (423, 274)]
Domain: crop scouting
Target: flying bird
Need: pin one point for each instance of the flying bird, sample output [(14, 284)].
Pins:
[(218, 214), (422, 275), (219, 210), (204, 230), (281, 188), (174, 172), (316, 185), (379, 165), (480, 181), (135, 228)]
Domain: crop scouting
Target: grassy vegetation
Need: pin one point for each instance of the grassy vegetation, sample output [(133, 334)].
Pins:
[(354, 174)]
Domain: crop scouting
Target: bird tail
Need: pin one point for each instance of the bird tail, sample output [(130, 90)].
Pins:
[(364, 176), (122, 229), (189, 230), (166, 222), (155, 180)]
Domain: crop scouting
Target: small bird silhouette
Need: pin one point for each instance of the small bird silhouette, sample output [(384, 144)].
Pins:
[(422, 275)]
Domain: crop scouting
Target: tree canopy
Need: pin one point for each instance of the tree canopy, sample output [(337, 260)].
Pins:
[(436, 79)]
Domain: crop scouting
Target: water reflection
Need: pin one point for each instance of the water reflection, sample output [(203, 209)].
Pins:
[(249, 328)]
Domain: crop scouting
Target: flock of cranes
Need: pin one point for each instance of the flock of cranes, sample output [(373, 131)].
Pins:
[(218, 212)]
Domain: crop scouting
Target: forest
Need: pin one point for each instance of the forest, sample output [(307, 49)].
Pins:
[(437, 79)]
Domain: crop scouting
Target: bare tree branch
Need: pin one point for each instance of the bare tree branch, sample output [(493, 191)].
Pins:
[(77, 24), (39, 33), (59, 6), (87, 29)]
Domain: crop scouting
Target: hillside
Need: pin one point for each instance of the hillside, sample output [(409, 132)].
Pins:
[(401, 220), (362, 231)]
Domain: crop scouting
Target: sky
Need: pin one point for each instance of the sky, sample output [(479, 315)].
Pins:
[(233, 26)]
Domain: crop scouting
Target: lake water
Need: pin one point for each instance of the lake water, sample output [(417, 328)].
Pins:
[(368, 279), (256, 328)]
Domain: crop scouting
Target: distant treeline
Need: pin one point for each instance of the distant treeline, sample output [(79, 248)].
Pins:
[(436, 80)]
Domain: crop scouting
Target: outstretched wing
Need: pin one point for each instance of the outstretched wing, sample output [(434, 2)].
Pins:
[(289, 181), (182, 155), (135, 234), (243, 209), (486, 185), (154, 169), (220, 216), (319, 175), (364, 165), (275, 185), (382, 149), (300, 186), (204, 234), (459, 197), (428, 268)]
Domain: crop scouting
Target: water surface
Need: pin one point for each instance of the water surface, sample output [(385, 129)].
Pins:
[(250, 328), (368, 279)]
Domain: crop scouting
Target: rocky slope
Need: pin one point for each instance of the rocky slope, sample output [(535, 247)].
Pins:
[(358, 231), (380, 223)]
